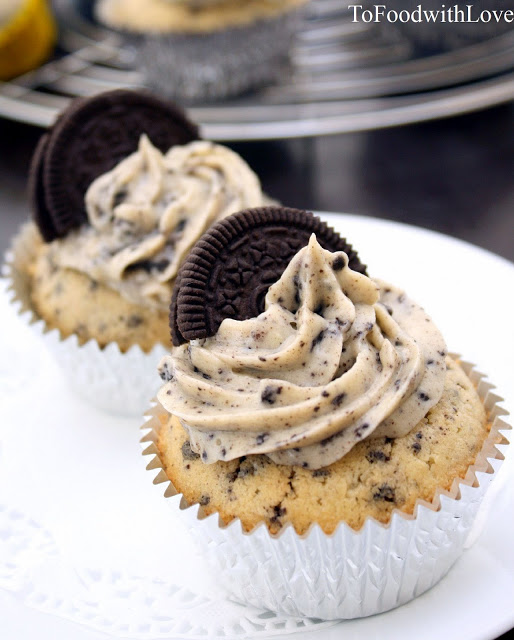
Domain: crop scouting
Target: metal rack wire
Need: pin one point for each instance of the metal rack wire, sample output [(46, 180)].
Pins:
[(345, 76)]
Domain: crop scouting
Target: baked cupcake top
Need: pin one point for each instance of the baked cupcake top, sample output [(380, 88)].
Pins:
[(144, 215), (334, 358), (190, 16)]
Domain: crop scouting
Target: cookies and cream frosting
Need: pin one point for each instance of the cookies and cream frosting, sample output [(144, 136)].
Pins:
[(335, 357), (145, 215)]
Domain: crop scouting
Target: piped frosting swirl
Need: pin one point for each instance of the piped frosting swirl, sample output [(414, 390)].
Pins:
[(145, 215), (334, 358)]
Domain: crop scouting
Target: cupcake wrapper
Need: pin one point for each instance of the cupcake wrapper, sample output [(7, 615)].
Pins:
[(116, 382), (219, 64), (350, 573)]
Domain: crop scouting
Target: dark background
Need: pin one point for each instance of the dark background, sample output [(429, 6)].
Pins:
[(455, 176)]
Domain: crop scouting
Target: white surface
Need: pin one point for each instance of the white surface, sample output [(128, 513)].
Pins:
[(79, 475)]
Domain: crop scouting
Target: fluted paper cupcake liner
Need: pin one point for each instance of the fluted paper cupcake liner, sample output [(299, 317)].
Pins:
[(217, 65), (117, 382), (347, 574)]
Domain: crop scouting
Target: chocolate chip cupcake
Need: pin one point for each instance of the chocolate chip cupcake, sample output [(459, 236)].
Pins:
[(97, 273), (192, 50), (323, 431)]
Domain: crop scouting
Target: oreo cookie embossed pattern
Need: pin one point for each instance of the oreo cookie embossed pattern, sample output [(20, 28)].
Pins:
[(231, 268)]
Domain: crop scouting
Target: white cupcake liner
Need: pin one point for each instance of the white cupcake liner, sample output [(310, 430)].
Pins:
[(116, 382), (347, 574)]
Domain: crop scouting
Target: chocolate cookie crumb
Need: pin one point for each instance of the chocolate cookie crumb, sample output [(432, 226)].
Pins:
[(188, 453), (385, 492)]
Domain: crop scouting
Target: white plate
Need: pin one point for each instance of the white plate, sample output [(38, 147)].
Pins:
[(85, 537)]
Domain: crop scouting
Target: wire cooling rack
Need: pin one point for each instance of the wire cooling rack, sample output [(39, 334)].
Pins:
[(345, 76)]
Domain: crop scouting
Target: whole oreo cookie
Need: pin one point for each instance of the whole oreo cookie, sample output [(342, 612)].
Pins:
[(232, 266), (92, 136)]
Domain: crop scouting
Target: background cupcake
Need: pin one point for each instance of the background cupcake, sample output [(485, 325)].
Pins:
[(100, 274), (206, 50), (111, 279)]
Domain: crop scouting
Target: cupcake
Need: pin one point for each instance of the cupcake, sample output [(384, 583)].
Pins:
[(27, 36), (331, 437), (206, 50), (100, 280), (111, 279)]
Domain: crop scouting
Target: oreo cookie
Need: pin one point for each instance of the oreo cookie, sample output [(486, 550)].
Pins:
[(176, 337), (40, 213), (90, 138), (230, 269)]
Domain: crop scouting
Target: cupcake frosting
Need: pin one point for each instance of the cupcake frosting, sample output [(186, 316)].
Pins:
[(335, 357), (147, 212)]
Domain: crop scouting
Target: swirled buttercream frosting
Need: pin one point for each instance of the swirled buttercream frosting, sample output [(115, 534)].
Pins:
[(145, 215), (335, 357)]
